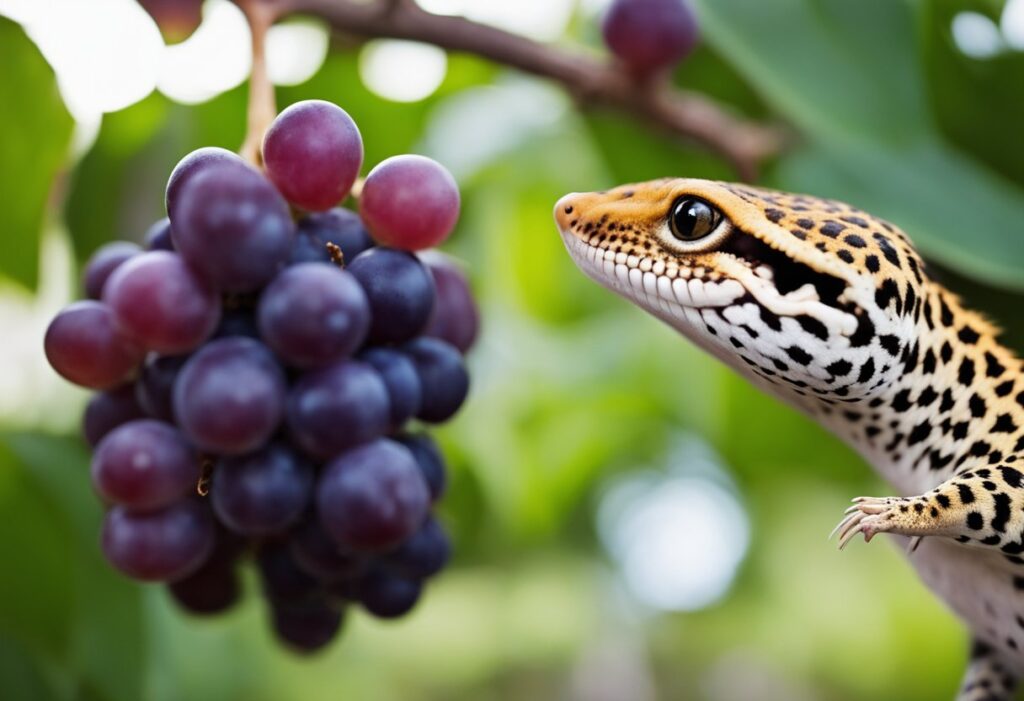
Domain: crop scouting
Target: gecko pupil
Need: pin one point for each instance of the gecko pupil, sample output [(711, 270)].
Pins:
[(692, 218)]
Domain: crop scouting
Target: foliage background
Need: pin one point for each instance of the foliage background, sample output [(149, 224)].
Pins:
[(573, 387)]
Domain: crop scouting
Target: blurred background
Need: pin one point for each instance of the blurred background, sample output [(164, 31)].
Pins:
[(631, 520)]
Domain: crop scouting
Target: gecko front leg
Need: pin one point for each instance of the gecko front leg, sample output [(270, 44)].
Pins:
[(983, 507)]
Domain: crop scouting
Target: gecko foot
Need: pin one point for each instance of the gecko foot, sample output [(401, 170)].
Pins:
[(871, 515)]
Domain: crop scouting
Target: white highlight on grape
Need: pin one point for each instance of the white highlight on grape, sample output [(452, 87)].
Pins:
[(402, 71), (295, 51), (678, 536), (976, 35), (543, 20), (1011, 22)]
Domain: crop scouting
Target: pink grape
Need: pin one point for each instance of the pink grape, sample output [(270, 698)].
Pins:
[(649, 35), (409, 202)]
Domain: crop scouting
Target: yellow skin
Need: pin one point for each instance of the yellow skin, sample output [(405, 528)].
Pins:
[(832, 310)]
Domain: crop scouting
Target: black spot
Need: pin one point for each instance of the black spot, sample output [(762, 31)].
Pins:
[(942, 500), (872, 263), (813, 326), (1004, 389), (845, 255), (890, 343), (840, 368), (979, 448), (805, 223), (928, 395), (802, 235), (887, 250), (799, 355), (867, 370), (946, 352), (966, 373), (864, 333), (968, 335), (939, 461), (960, 430), (774, 215), (966, 494), (855, 220), (855, 241), (831, 229), (1018, 582), (920, 432), (974, 521), (770, 318), (1002, 503), (993, 368), (1004, 424), (886, 293), (901, 402), (977, 406), (946, 316), (928, 362), (947, 401)]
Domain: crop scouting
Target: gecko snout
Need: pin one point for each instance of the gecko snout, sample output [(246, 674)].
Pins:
[(565, 208)]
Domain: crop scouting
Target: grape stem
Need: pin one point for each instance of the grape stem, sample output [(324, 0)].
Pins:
[(592, 81), (262, 109), (337, 257)]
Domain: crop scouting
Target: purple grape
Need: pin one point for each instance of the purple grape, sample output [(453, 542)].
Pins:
[(400, 377), (423, 555), (306, 626), (144, 464), (313, 314), (649, 35), (238, 322), (312, 153), (372, 497), (210, 590), (442, 375), (108, 410), (154, 388), (456, 318), (159, 545), (84, 345), (161, 304), (318, 555), (339, 226), (229, 397), (158, 237), (103, 262), (232, 226), (283, 580), (429, 459), (337, 407), (263, 492), (409, 202), (400, 291), (196, 162), (386, 595)]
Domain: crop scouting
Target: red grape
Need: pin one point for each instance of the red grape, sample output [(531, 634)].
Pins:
[(649, 35), (315, 552), (409, 202), (158, 545), (85, 346)]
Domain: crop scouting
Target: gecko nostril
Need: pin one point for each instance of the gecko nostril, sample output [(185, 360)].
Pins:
[(568, 209)]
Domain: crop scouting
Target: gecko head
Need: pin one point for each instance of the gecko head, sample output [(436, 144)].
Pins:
[(811, 296)]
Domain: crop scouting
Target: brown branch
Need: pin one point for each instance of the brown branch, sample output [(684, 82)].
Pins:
[(262, 105), (593, 82)]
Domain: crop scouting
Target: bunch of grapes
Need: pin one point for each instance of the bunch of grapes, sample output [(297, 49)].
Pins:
[(649, 36), (258, 372)]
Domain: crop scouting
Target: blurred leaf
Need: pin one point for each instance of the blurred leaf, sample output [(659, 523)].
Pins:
[(873, 141), (34, 133)]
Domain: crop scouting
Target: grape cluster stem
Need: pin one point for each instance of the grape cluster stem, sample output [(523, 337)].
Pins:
[(262, 108), (592, 81)]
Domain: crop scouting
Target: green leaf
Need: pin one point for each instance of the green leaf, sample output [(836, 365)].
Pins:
[(34, 133)]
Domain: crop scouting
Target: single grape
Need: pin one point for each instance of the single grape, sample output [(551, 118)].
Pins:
[(318, 555), (196, 162), (372, 497), (229, 396), (400, 377), (283, 580), (144, 464), (161, 303), (177, 19), (158, 237), (339, 226), (238, 322), (262, 492), (154, 389), (442, 375), (312, 153), (386, 595), (232, 226), (210, 590), (159, 545), (429, 459), (85, 346), (423, 555), (649, 35), (306, 626), (103, 262), (400, 291), (337, 407), (455, 318), (409, 202), (108, 410), (312, 314)]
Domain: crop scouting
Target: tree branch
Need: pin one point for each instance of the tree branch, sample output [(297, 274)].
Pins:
[(683, 113)]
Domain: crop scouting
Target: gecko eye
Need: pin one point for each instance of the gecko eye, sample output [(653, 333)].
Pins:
[(691, 218)]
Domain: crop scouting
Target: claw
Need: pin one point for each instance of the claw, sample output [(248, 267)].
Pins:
[(913, 544), (845, 539)]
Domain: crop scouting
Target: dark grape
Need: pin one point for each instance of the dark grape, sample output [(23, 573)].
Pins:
[(400, 291), (387, 595), (306, 626), (229, 397), (442, 375), (84, 345), (428, 458), (312, 153), (103, 262), (238, 322), (154, 389), (144, 464), (177, 19), (316, 553), (232, 226), (409, 202), (108, 410), (158, 545), (211, 589), (455, 318), (193, 163), (312, 314), (160, 303), (649, 35), (158, 237), (372, 497), (337, 407), (262, 492), (423, 555), (283, 580), (400, 377), (339, 226)]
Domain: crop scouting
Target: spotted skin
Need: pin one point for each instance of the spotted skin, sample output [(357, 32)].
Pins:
[(832, 310)]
